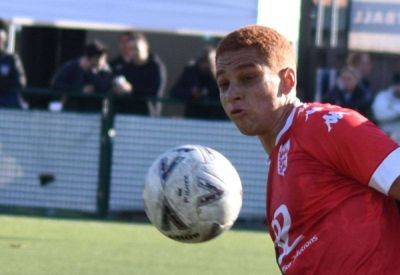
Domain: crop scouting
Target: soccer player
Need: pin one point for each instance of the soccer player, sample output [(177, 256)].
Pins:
[(333, 177)]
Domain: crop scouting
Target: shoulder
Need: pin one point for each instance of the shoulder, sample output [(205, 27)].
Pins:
[(316, 119), (70, 67), (9, 57), (314, 113), (384, 94), (330, 133)]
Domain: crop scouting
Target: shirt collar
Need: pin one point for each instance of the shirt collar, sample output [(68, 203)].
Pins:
[(287, 125)]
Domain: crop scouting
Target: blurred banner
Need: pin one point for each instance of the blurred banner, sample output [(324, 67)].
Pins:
[(187, 16), (375, 25)]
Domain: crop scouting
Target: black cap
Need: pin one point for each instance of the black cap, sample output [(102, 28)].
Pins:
[(96, 48)]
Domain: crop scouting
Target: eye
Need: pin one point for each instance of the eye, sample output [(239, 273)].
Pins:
[(223, 85), (247, 78)]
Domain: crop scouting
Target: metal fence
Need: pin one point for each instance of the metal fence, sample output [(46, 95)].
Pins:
[(61, 161), (49, 159)]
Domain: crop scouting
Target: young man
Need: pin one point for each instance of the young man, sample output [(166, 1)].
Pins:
[(333, 176), (83, 75), (88, 74)]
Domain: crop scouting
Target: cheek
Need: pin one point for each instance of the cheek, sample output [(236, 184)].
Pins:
[(263, 97)]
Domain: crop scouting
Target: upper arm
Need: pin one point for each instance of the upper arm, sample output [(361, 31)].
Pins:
[(355, 148), (62, 79), (20, 72), (162, 71)]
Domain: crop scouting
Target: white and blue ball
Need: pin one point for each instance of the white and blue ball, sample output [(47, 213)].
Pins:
[(192, 194)]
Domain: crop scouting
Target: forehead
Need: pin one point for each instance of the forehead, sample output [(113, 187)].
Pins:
[(233, 59)]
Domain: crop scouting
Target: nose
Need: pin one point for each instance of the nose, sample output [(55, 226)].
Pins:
[(234, 94)]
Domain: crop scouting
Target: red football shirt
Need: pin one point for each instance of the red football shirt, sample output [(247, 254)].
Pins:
[(327, 203)]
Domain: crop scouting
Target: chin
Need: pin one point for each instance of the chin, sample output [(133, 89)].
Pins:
[(246, 131)]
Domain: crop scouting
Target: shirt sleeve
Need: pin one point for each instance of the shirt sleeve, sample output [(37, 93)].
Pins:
[(353, 146), (68, 78)]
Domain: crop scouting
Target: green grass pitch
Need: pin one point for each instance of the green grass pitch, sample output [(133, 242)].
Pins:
[(69, 247)]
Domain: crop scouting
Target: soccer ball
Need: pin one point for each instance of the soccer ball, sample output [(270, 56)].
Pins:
[(192, 194)]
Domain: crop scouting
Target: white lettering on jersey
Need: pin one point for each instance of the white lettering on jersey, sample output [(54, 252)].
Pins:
[(282, 232), (332, 118), (283, 158), (312, 110)]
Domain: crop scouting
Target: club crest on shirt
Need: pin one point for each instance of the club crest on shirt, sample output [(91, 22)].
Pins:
[(333, 118), (283, 158)]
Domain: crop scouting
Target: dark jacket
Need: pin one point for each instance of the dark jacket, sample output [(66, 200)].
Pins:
[(207, 106), (359, 100), (145, 79), (12, 79), (191, 78), (71, 78)]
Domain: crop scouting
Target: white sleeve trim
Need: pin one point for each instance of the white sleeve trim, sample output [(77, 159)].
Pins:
[(386, 173)]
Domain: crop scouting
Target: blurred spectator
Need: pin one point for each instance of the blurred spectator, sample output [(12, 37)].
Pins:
[(361, 62), (386, 106), (89, 74), (347, 93), (197, 86), (12, 75), (139, 74)]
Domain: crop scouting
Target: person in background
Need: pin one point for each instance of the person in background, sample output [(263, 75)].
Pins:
[(361, 62), (347, 93), (197, 86), (12, 75), (386, 108), (138, 75), (88, 74)]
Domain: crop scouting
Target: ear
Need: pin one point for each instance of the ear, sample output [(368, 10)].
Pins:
[(288, 80)]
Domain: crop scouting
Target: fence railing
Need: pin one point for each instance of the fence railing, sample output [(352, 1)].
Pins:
[(96, 162)]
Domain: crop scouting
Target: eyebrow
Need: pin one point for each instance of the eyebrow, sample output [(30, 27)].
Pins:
[(240, 67)]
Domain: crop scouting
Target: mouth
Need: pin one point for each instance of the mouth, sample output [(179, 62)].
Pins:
[(237, 112)]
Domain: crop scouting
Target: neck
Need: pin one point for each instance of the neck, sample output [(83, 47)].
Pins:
[(268, 139)]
